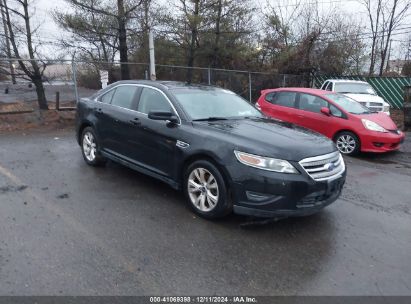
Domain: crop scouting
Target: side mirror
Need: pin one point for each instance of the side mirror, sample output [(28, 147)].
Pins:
[(157, 115), (325, 111)]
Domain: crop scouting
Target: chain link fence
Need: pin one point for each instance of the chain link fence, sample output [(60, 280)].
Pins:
[(65, 81)]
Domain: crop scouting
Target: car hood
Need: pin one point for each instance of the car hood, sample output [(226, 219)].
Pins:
[(366, 98), (380, 118), (269, 137)]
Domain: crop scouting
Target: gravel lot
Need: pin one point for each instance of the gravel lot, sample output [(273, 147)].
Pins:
[(69, 229), (22, 93)]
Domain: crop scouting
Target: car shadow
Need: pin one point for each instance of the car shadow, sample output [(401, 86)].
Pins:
[(176, 199)]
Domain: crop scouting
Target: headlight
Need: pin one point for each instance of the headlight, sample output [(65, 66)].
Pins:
[(370, 125), (265, 163)]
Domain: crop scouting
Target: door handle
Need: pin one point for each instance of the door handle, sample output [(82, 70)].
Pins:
[(135, 122)]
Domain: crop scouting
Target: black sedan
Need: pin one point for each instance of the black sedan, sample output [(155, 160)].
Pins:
[(212, 144)]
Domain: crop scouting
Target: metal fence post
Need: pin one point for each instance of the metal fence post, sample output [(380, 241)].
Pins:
[(209, 76), (74, 72), (250, 87), (57, 101)]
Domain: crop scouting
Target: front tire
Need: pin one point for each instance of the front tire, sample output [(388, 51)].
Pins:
[(348, 143), (90, 148), (206, 191)]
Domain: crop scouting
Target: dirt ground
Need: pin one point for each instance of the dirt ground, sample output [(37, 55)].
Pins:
[(45, 120)]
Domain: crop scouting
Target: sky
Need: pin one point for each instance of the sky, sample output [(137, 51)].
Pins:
[(49, 31)]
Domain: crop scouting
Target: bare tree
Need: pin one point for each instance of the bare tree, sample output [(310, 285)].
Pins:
[(211, 33), (374, 17), (121, 14), (93, 36), (184, 24), (393, 13), (228, 28), (384, 17), (194, 20), (33, 69), (7, 46)]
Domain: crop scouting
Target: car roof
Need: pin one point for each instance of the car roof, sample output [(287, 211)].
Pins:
[(346, 80), (300, 90)]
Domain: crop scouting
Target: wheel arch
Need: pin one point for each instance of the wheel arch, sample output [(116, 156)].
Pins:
[(334, 137), (83, 125), (207, 157)]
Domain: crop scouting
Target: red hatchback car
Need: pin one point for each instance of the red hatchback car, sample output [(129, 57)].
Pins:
[(352, 126)]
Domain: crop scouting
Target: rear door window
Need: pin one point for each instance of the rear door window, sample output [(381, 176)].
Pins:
[(125, 97), (270, 97), (285, 99)]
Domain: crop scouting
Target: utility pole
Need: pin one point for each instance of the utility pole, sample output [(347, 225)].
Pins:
[(8, 51), (122, 40), (152, 55)]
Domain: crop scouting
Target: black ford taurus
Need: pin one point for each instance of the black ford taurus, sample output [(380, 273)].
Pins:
[(212, 144)]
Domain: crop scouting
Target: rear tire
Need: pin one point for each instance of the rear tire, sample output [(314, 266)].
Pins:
[(347, 143), (206, 191), (90, 148)]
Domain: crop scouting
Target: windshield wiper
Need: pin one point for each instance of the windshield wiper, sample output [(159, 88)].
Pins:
[(213, 118)]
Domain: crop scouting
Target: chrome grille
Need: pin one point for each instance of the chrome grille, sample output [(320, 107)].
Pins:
[(324, 167), (373, 106)]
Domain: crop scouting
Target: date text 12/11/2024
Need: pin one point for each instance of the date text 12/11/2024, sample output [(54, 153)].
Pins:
[(203, 299)]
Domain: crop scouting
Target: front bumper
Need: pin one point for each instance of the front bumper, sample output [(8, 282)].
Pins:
[(381, 142), (269, 194)]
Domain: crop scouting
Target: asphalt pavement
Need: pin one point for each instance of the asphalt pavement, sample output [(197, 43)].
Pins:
[(70, 229)]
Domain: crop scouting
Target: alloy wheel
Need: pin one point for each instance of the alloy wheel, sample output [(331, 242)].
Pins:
[(202, 189), (89, 146), (346, 144)]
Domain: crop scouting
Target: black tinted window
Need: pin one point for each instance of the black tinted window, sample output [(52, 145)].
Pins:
[(285, 99), (311, 103), (329, 86), (270, 97), (153, 100), (124, 96), (106, 98)]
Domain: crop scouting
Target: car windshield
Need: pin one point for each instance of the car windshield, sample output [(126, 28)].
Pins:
[(214, 104), (352, 87), (348, 104)]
